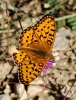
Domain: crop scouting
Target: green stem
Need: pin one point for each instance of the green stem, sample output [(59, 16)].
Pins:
[(65, 17)]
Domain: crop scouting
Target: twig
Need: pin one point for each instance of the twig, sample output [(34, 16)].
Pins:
[(69, 90), (17, 15), (6, 31)]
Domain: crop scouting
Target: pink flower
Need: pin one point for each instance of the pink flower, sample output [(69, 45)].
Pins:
[(47, 66)]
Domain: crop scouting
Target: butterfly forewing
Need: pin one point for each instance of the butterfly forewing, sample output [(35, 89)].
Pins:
[(26, 37), (45, 31)]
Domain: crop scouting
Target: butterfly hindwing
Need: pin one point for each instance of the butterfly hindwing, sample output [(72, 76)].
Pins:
[(30, 70)]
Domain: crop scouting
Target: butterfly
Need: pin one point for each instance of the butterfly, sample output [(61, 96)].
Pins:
[(36, 43)]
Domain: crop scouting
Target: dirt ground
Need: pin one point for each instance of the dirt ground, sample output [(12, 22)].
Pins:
[(58, 83)]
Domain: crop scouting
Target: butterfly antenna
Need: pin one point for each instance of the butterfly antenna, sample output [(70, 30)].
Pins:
[(17, 14)]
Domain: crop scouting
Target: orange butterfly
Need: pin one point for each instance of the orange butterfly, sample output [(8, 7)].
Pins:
[(35, 45)]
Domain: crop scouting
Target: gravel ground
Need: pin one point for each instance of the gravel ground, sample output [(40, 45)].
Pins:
[(51, 86)]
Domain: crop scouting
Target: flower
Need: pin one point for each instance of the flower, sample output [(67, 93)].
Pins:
[(47, 66)]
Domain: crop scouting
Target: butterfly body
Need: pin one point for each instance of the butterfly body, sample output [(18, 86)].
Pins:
[(35, 45)]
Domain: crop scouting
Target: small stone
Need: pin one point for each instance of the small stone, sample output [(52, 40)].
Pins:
[(5, 97), (7, 90), (15, 69), (34, 90), (4, 70), (1, 16), (5, 26), (46, 5), (13, 95), (12, 49), (61, 81), (60, 37), (37, 81), (21, 91), (10, 76)]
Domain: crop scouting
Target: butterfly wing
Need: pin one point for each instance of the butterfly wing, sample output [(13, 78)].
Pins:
[(29, 69), (45, 32), (41, 36), (26, 37)]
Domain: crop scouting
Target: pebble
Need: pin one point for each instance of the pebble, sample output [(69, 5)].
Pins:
[(15, 70), (7, 89), (5, 68), (21, 92), (61, 42), (5, 97)]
